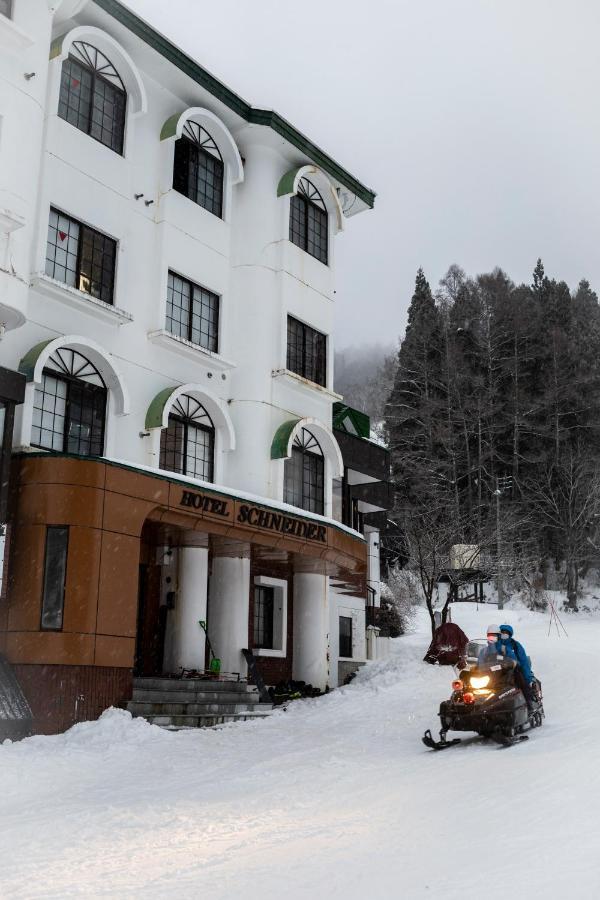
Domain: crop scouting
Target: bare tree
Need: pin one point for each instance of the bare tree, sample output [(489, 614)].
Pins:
[(567, 503), (431, 532)]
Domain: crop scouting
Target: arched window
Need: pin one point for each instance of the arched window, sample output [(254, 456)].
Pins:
[(187, 445), (304, 481), (198, 168), (309, 220), (69, 407), (92, 96)]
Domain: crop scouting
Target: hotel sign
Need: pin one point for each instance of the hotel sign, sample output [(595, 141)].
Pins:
[(256, 517)]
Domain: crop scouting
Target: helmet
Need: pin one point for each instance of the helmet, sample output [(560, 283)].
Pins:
[(508, 629), (493, 629)]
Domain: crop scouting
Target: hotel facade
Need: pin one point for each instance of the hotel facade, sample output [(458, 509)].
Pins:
[(166, 291)]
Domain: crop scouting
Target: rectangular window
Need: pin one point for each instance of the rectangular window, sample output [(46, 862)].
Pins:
[(192, 312), (264, 598), (346, 637), (306, 351), (55, 572), (81, 257), (6, 8)]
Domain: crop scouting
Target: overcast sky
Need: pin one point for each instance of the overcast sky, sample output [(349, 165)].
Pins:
[(476, 121)]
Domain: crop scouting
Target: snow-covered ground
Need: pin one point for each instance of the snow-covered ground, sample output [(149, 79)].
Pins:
[(334, 798)]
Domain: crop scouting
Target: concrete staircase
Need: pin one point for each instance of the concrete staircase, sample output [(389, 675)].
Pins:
[(194, 702)]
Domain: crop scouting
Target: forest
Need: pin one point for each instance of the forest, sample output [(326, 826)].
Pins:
[(493, 423)]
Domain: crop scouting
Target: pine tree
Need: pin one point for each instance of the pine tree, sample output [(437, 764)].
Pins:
[(412, 412)]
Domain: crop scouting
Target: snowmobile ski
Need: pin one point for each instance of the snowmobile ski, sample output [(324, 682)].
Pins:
[(430, 742), (506, 741)]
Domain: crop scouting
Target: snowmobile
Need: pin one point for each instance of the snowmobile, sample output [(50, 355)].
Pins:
[(487, 700)]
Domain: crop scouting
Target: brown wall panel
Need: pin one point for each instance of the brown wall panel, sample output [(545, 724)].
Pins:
[(61, 470), (83, 571), (60, 696), (118, 590), (26, 570), (50, 647), (114, 651), (125, 515), (60, 504), (132, 484)]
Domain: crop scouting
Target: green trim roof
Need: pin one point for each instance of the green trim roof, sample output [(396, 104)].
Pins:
[(154, 415), (281, 439), (28, 363), (266, 117), (286, 182), (360, 420)]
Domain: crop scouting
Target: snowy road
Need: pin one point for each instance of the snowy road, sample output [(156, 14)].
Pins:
[(335, 797)]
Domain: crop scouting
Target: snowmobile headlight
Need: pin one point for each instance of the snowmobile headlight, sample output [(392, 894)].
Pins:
[(480, 682)]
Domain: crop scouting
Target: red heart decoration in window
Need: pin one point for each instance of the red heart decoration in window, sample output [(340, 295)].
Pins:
[(75, 82), (62, 235)]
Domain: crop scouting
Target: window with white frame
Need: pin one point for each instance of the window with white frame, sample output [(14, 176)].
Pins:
[(192, 312), (69, 406), (270, 616), (309, 221), (304, 474), (187, 445), (198, 168), (345, 644), (92, 96), (306, 351), (80, 256)]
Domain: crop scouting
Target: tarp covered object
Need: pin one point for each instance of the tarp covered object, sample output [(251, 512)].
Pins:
[(448, 645)]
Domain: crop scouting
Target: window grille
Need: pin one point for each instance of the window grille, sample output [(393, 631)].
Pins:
[(192, 312), (306, 351), (345, 646), (69, 407), (81, 257), (264, 610), (309, 221), (55, 573), (304, 474), (187, 444), (92, 96), (198, 168)]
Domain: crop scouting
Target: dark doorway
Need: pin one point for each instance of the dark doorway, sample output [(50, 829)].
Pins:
[(151, 622)]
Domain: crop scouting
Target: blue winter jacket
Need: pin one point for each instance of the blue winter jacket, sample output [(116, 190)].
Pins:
[(512, 650)]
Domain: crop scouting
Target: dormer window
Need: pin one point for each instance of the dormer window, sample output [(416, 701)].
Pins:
[(198, 168), (93, 96), (309, 221)]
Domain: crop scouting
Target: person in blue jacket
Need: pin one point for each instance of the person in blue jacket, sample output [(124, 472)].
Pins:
[(501, 643), (512, 649)]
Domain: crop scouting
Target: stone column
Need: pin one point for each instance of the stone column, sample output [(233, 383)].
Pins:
[(229, 606), (186, 639), (311, 629)]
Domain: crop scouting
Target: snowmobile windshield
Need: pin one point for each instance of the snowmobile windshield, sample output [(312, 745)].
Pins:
[(474, 648)]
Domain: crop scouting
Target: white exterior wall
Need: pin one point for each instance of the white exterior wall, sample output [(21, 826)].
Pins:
[(246, 258), (353, 607)]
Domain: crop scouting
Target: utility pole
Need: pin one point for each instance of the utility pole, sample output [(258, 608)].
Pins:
[(502, 484), (499, 584)]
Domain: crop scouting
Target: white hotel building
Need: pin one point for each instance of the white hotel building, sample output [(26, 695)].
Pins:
[(166, 287)]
